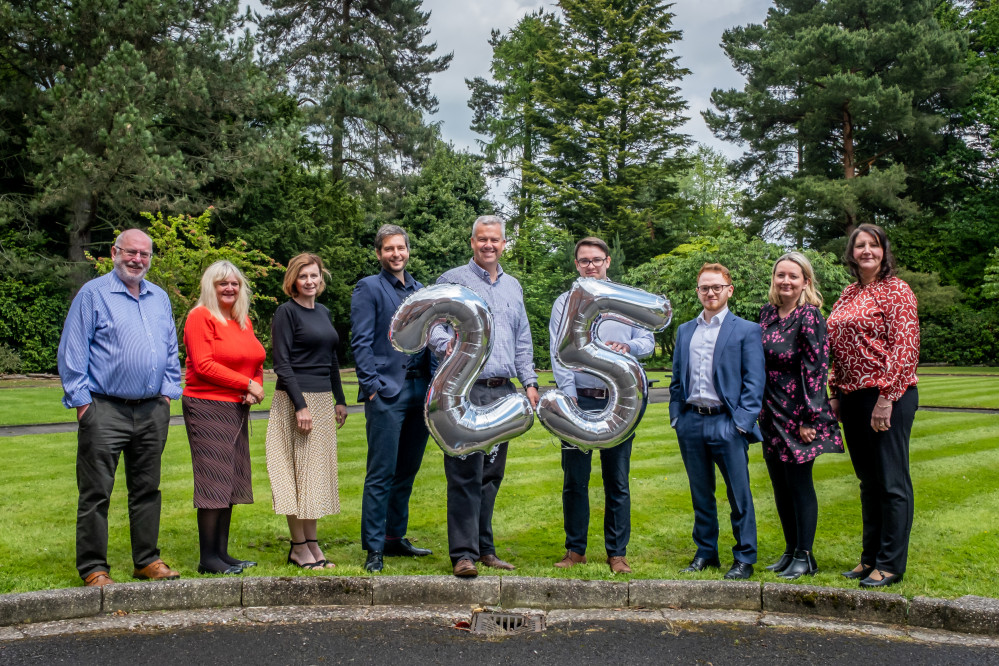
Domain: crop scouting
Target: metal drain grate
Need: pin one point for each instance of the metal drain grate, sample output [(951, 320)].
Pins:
[(496, 624)]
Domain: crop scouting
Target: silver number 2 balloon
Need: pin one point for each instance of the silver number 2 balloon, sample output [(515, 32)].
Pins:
[(578, 349), (458, 426)]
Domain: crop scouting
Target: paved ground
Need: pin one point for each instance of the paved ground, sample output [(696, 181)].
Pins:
[(399, 636), (656, 395)]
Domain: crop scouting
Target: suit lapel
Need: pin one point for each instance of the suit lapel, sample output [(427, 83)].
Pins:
[(390, 292), (683, 343), (728, 325)]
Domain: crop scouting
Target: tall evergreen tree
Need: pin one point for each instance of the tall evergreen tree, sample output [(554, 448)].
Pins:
[(611, 89), (113, 108), (507, 108), (361, 70), (845, 104)]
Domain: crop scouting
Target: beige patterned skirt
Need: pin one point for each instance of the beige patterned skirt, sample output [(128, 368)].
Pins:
[(302, 467)]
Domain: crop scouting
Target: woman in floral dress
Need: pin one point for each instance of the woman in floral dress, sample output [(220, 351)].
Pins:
[(796, 419)]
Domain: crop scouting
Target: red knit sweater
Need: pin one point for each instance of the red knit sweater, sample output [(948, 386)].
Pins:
[(221, 357)]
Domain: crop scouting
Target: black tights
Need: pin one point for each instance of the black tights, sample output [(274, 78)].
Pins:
[(213, 538), (797, 507)]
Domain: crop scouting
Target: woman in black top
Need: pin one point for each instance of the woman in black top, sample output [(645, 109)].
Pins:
[(307, 409)]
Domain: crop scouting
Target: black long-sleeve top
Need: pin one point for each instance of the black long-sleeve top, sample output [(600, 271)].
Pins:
[(305, 343)]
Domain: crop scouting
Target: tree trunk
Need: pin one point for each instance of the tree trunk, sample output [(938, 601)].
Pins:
[(849, 165), (82, 223)]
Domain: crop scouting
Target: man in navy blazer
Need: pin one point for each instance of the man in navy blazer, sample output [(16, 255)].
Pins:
[(715, 396), (392, 386)]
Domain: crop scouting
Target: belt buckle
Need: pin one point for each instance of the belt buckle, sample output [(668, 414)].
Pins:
[(703, 411), (600, 394)]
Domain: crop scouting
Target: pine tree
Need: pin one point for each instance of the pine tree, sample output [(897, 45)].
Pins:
[(845, 103), (361, 71)]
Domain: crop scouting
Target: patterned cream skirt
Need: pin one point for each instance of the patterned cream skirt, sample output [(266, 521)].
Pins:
[(302, 467)]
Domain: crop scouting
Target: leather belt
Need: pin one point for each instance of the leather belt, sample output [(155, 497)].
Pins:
[(706, 411), (600, 394), (493, 382), (123, 401)]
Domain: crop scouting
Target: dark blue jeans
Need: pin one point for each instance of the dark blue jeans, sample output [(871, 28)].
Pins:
[(615, 465), (397, 438), (706, 441)]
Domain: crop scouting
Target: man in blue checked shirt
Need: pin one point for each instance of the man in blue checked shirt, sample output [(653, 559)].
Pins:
[(119, 369), (591, 394), (474, 480)]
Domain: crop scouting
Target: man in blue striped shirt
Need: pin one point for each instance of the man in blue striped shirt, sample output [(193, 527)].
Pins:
[(119, 369)]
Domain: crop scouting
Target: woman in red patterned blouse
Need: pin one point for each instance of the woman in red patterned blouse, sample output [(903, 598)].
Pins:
[(874, 339)]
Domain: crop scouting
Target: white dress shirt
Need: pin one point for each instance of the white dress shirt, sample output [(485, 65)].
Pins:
[(700, 366)]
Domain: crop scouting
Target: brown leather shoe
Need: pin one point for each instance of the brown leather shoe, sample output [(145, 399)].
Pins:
[(98, 579), (157, 570), (465, 568), (618, 564), (570, 560), (491, 560)]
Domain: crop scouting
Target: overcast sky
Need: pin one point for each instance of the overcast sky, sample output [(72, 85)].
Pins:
[(463, 27)]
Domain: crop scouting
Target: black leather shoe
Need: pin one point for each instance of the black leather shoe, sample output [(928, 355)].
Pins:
[(246, 564), (374, 563), (803, 564), (886, 580), (700, 564), (402, 548), (782, 563), (739, 571), (230, 571), (854, 575)]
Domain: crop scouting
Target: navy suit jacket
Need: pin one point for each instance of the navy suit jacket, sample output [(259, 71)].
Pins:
[(738, 372), (381, 368)]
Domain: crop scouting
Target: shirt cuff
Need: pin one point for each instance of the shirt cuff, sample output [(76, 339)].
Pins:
[(79, 398), (170, 390)]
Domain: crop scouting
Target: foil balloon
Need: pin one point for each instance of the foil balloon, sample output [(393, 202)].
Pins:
[(578, 349), (458, 426)]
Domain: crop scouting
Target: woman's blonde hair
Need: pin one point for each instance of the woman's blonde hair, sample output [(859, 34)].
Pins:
[(209, 299), (295, 266), (809, 294)]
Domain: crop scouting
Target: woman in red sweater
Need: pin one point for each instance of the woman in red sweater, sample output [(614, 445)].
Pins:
[(225, 373), (874, 340)]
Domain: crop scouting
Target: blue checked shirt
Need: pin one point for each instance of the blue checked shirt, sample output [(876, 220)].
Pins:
[(513, 351), (116, 344)]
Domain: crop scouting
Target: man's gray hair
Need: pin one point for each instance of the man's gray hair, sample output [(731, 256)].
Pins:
[(130, 232), (490, 220), (387, 230)]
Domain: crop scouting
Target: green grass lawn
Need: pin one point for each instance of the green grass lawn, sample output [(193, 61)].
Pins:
[(955, 466), (23, 405)]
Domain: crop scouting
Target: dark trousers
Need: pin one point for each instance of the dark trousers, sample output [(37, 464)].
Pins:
[(797, 506), (107, 430), (615, 465), (472, 485), (881, 462), (706, 441), (397, 438)]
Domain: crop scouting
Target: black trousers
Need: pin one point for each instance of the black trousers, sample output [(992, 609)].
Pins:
[(107, 430), (797, 507), (472, 486), (881, 462)]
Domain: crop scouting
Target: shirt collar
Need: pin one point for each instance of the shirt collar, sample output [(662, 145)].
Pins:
[(394, 281), (482, 272), (118, 285), (717, 319)]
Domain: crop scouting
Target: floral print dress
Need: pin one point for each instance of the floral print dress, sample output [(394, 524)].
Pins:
[(797, 362)]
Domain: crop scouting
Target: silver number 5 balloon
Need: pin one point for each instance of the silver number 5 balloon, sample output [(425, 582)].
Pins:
[(579, 350), (458, 426)]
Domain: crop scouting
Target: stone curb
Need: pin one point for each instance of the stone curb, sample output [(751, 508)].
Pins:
[(968, 615)]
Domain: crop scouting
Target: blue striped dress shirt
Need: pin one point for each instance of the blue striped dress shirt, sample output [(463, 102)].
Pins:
[(116, 344)]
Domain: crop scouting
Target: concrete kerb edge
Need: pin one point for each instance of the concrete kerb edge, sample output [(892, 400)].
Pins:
[(968, 615)]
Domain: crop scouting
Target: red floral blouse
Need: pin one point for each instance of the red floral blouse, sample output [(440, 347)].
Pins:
[(874, 338)]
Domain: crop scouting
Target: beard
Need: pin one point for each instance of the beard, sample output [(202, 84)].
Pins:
[(129, 278)]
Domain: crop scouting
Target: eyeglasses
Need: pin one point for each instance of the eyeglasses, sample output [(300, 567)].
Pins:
[(585, 263), (713, 288), (132, 254)]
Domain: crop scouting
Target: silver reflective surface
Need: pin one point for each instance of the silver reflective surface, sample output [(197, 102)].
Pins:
[(458, 426), (578, 349)]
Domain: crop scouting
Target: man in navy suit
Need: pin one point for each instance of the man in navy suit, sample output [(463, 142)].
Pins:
[(392, 386), (715, 396)]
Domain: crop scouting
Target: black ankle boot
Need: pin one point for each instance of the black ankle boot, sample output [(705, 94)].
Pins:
[(802, 564), (782, 563)]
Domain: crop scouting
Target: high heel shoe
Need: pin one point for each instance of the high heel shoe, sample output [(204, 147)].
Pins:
[(322, 563), (782, 563), (802, 564), (307, 565), (853, 574), (885, 580)]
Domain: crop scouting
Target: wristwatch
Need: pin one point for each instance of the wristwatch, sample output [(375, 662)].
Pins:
[(532, 385)]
